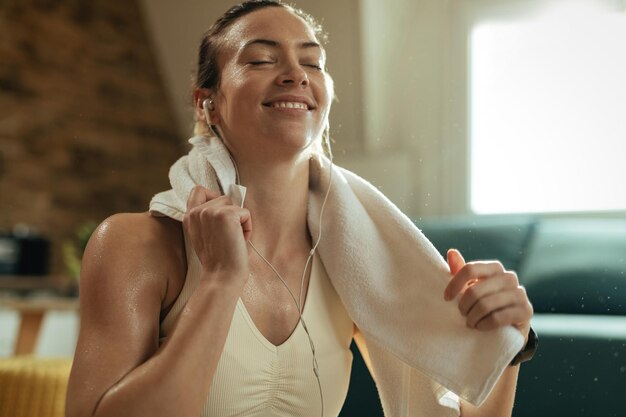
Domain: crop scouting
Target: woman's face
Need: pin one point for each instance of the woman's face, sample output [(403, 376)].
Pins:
[(274, 94)]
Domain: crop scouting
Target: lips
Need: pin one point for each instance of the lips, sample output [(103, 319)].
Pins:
[(290, 102)]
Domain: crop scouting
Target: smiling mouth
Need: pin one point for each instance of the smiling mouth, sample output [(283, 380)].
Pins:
[(288, 105)]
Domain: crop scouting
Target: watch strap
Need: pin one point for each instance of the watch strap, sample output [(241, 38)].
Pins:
[(528, 351)]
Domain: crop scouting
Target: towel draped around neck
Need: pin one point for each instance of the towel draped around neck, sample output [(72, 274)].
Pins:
[(391, 280)]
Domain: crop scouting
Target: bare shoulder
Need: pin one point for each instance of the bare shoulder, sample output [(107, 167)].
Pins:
[(129, 269), (140, 230), (129, 248)]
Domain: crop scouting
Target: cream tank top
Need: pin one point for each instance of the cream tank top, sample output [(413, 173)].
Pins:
[(255, 378)]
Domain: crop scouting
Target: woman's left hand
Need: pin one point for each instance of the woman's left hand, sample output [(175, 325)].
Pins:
[(491, 297)]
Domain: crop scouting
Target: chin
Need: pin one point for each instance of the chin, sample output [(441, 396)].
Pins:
[(293, 139)]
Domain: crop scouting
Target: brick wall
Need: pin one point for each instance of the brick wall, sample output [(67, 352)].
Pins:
[(85, 127)]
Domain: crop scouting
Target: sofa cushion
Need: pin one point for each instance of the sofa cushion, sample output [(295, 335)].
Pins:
[(579, 369), (481, 238), (577, 266)]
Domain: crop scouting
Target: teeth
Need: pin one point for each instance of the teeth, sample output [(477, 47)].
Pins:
[(290, 105)]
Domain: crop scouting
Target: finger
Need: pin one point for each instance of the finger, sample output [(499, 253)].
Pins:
[(491, 304), (200, 195), (455, 260), (469, 272), (473, 293), (246, 224), (501, 318), (230, 213)]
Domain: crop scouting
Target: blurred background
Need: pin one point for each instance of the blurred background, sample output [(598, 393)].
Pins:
[(498, 126)]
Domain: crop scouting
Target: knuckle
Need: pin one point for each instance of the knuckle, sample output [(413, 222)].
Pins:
[(223, 214), (522, 296), (472, 294), (498, 265), (497, 318), (485, 306), (193, 213), (471, 268), (486, 324), (480, 309), (501, 317), (226, 200), (203, 212), (511, 276)]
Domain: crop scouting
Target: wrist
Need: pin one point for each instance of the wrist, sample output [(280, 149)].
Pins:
[(529, 349), (524, 329), (225, 281)]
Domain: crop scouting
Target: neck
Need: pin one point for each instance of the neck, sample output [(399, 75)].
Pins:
[(277, 195)]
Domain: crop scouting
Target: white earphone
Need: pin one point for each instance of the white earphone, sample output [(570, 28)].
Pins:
[(237, 193), (209, 105)]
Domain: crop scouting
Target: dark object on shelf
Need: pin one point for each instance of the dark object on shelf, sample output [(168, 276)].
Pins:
[(24, 253)]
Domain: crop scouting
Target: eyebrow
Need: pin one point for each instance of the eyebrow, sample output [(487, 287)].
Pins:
[(275, 44)]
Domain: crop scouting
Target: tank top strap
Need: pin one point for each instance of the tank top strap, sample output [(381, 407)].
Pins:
[(191, 282)]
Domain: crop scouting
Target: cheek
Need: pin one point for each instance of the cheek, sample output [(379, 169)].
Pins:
[(329, 83), (328, 92), (235, 86)]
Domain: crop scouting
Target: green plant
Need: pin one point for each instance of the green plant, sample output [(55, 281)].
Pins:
[(73, 249)]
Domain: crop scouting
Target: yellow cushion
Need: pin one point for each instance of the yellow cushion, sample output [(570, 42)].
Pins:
[(31, 386)]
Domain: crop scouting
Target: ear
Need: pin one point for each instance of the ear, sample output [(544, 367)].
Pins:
[(199, 96)]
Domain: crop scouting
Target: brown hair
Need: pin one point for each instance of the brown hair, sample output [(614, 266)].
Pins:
[(208, 74)]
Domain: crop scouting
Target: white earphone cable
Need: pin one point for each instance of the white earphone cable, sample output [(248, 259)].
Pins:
[(299, 300), (308, 261)]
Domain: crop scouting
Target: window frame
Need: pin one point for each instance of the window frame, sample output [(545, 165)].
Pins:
[(456, 91)]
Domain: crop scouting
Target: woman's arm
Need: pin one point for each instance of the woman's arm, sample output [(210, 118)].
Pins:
[(119, 368), (490, 297), (500, 401)]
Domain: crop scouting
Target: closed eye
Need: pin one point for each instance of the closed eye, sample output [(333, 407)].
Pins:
[(260, 62), (317, 67)]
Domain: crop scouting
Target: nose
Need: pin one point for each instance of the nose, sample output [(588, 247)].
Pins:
[(293, 74)]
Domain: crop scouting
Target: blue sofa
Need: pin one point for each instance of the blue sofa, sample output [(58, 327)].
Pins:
[(574, 270)]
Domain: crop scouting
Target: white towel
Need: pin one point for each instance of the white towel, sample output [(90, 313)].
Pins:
[(391, 280)]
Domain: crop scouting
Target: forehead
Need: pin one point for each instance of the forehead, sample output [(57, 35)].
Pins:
[(273, 23)]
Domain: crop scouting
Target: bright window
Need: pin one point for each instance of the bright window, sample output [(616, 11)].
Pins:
[(548, 113)]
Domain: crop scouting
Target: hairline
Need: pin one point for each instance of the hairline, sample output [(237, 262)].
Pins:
[(275, 44)]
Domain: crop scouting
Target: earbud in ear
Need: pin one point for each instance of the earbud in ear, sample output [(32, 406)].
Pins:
[(208, 104)]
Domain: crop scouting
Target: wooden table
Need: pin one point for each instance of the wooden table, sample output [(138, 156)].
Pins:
[(32, 311), (34, 283)]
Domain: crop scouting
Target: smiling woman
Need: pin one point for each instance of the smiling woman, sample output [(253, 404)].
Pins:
[(245, 60), (226, 300), (266, 71)]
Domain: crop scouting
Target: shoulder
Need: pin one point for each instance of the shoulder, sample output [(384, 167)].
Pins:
[(136, 250), (127, 272), (138, 228)]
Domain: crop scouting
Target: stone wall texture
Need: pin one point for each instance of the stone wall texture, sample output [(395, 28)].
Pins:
[(86, 129)]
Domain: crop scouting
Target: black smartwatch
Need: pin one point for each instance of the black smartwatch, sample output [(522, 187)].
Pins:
[(528, 351)]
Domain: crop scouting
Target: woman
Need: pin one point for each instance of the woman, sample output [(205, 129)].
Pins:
[(152, 344)]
